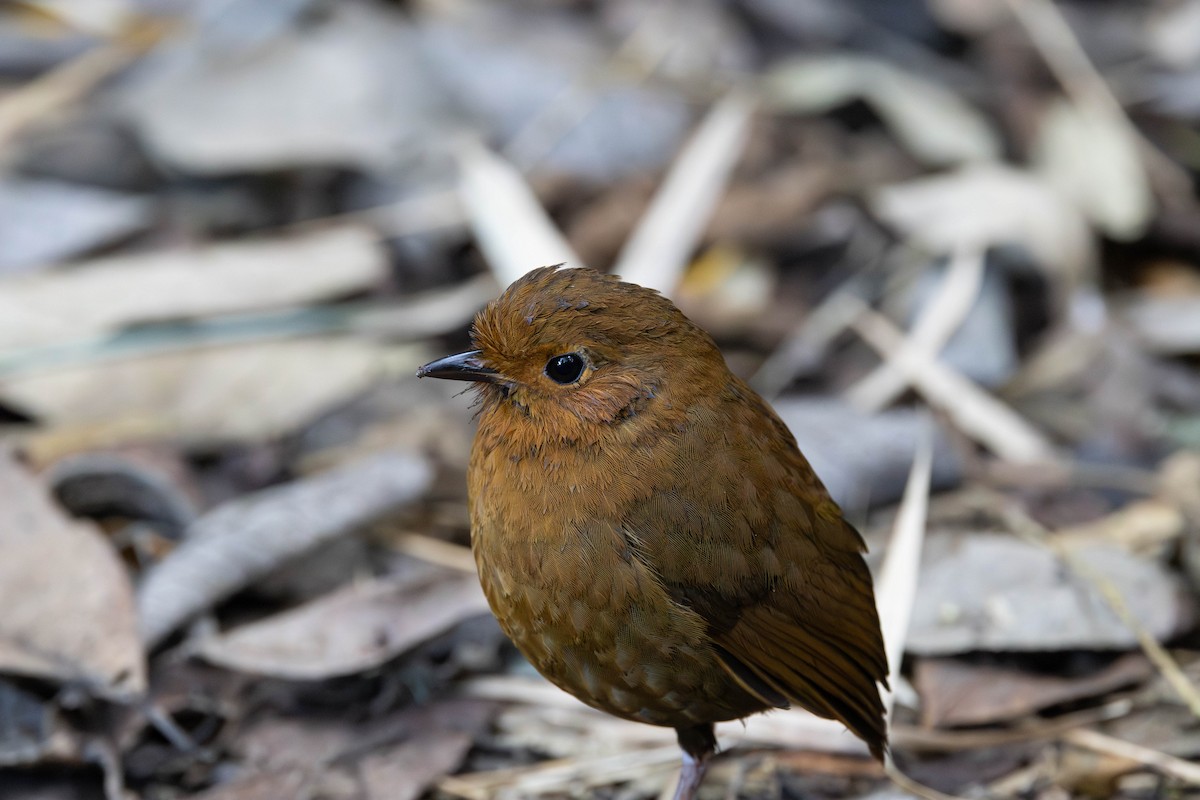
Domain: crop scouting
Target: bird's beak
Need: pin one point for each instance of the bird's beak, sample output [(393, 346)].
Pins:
[(459, 367)]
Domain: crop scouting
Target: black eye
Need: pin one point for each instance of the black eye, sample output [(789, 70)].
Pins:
[(565, 368)]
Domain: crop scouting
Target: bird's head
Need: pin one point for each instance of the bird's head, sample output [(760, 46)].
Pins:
[(571, 347)]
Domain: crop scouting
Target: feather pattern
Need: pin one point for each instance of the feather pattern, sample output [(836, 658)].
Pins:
[(651, 537)]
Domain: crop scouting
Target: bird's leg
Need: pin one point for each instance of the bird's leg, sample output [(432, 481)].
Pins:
[(698, 743), (691, 776)]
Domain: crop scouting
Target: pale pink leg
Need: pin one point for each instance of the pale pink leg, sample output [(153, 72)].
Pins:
[(691, 776)]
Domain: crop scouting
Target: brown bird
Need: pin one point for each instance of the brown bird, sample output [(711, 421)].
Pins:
[(645, 528)]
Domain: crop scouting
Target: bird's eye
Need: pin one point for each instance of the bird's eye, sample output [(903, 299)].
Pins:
[(565, 368)]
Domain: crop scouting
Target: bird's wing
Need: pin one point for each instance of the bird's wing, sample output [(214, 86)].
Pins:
[(817, 649), (745, 535)]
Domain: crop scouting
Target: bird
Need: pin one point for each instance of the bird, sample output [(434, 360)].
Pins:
[(645, 527)]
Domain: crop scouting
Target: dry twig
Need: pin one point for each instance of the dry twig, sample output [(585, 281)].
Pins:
[(1167, 764), (658, 249), (941, 316), (976, 412)]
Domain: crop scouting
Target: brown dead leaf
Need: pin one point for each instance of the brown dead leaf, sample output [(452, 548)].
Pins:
[(275, 743), (598, 230), (1086, 773), (768, 211), (68, 605), (271, 786), (405, 771), (348, 631), (955, 692)]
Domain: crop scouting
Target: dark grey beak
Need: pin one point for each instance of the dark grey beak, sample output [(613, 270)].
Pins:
[(459, 367)]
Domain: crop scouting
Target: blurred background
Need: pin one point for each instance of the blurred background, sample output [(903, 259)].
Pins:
[(233, 538)]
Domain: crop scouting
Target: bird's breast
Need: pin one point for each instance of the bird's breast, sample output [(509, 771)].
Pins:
[(561, 576)]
